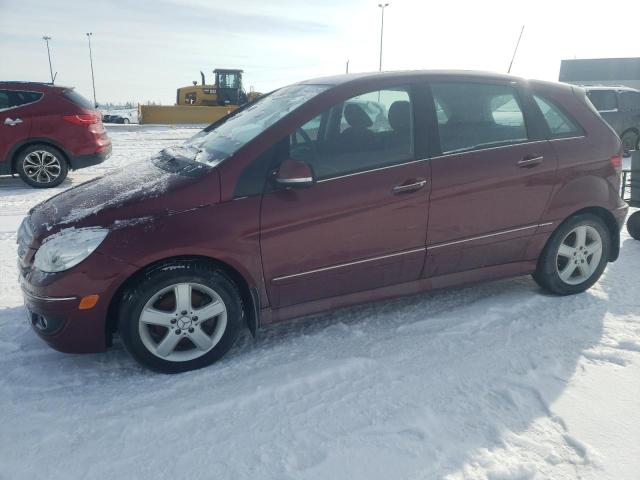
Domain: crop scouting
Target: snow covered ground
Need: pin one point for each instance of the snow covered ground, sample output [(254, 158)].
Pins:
[(496, 381)]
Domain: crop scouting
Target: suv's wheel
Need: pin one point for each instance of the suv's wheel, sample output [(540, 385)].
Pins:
[(180, 316), (633, 225), (575, 256), (629, 142), (42, 166), (126, 121)]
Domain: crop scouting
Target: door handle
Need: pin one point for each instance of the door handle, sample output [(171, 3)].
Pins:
[(416, 184), (11, 123), (530, 161)]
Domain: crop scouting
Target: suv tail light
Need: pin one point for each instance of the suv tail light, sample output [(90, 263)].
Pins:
[(83, 119), (616, 162)]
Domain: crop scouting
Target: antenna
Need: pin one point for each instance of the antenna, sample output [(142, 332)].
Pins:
[(515, 50)]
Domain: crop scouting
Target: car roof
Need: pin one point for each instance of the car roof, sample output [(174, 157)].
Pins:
[(407, 74), (37, 86)]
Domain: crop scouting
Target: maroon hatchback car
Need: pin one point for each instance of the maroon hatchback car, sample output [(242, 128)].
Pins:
[(46, 130), (322, 194)]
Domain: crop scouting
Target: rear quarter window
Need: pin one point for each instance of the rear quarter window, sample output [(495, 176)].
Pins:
[(77, 99), (559, 123)]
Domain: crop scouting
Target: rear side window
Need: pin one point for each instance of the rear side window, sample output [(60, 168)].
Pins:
[(603, 100), (77, 99), (22, 98), (473, 116), (559, 123), (630, 101)]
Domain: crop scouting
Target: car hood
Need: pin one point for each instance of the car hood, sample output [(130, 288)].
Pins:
[(141, 191)]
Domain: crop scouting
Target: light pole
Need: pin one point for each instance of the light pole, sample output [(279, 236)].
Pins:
[(46, 38), (93, 81), (382, 6)]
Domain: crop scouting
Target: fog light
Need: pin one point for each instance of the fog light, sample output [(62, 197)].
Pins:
[(88, 302)]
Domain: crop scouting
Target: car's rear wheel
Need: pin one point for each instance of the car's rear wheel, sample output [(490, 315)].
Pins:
[(633, 225), (180, 316), (575, 256), (126, 121), (630, 141), (42, 166)]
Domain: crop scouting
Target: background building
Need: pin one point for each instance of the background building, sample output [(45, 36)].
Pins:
[(602, 71)]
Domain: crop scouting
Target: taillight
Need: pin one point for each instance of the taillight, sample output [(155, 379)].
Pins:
[(82, 119), (616, 163)]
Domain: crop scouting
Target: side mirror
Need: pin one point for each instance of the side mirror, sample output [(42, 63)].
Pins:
[(294, 173)]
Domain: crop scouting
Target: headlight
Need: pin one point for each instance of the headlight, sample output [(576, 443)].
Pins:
[(25, 237), (68, 248)]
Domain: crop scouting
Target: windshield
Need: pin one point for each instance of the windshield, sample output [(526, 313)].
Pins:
[(223, 141)]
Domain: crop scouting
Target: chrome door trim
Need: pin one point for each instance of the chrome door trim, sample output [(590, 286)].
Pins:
[(480, 237), (474, 150), (371, 170), (349, 264)]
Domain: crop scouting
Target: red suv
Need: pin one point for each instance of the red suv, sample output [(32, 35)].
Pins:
[(322, 194), (45, 130)]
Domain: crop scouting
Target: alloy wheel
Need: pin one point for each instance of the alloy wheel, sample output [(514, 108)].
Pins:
[(42, 166), (579, 255), (182, 322)]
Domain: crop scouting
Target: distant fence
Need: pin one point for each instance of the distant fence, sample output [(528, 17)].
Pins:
[(631, 180)]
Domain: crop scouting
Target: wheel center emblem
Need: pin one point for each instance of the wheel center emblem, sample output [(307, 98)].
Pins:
[(184, 323)]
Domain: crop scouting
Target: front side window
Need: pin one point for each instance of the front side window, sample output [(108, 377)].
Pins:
[(473, 116), (4, 99), (223, 141), (17, 98), (630, 101), (603, 100), (362, 133), (560, 125)]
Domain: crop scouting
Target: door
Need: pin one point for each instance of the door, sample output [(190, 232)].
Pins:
[(362, 224), (15, 126), (492, 181)]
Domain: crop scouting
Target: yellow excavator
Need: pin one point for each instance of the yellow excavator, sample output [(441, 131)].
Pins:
[(204, 103)]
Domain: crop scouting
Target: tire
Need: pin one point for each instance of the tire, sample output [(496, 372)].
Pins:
[(568, 265), (126, 121), (633, 225), (158, 333), (629, 142), (42, 166)]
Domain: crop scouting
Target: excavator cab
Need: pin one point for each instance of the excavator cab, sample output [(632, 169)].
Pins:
[(229, 87)]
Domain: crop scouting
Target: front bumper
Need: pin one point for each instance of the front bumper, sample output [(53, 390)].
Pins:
[(83, 161), (53, 300)]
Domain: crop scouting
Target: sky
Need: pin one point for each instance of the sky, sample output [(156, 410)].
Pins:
[(143, 50)]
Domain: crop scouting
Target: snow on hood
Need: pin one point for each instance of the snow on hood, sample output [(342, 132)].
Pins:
[(119, 198)]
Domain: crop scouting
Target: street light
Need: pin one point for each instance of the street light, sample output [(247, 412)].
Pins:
[(382, 6), (46, 39), (93, 81)]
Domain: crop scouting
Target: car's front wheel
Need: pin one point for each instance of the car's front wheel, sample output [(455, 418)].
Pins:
[(575, 256), (180, 316), (42, 166)]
